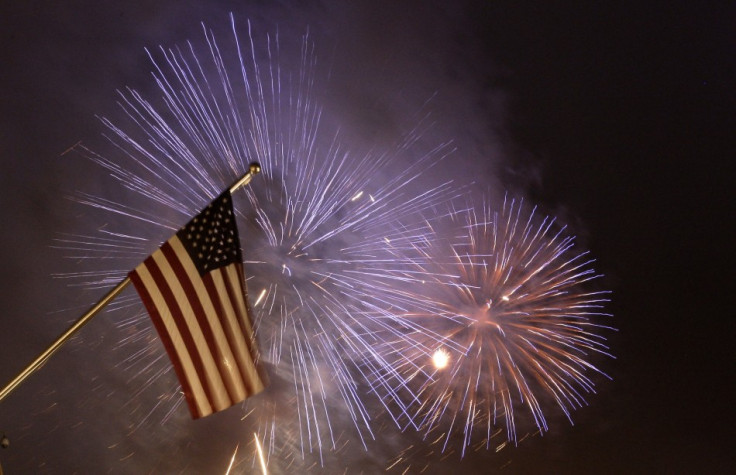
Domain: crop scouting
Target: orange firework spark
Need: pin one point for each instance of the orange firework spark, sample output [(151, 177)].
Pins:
[(507, 301)]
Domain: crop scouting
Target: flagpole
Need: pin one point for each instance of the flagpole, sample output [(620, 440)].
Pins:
[(253, 170), (41, 359)]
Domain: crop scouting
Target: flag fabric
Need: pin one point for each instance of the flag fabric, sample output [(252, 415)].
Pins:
[(194, 289)]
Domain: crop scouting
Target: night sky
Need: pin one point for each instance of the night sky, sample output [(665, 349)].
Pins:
[(617, 120)]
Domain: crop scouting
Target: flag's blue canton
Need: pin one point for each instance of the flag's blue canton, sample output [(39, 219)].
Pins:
[(211, 237)]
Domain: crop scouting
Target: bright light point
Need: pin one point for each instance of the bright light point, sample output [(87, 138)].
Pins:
[(260, 297), (285, 270), (373, 200), (441, 358), (360, 193), (388, 241), (505, 298)]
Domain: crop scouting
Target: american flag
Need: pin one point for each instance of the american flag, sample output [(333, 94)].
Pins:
[(194, 290)]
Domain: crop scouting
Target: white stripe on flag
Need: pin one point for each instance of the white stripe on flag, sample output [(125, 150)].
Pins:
[(220, 399), (187, 366), (223, 279), (234, 278), (225, 359)]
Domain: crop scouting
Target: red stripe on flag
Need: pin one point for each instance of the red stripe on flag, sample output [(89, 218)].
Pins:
[(180, 322), (231, 333), (245, 321), (240, 312), (165, 339), (238, 292), (201, 316)]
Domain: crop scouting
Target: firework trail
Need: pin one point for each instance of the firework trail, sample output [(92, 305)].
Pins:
[(492, 328), (316, 224)]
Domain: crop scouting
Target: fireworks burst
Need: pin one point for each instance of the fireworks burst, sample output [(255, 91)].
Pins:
[(472, 323), (315, 224), (496, 325)]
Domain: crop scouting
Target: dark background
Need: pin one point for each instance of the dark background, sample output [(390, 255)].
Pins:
[(618, 119)]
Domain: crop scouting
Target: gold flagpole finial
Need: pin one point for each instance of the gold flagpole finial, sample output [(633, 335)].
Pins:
[(253, 169)]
